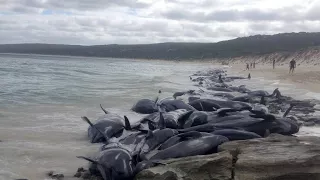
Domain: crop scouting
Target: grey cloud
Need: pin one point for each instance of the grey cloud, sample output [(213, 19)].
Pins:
[(197, 3), (234, 15), (259, 27), (181, 20), (84, 30), (155, 25), (223, 15), (229, 31), (259, 15), (279, 27), (177, 14), (183, 14), (24, 10), (32, 6), (314, 13)]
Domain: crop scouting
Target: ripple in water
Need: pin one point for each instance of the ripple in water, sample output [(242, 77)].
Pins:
[(43, 97)]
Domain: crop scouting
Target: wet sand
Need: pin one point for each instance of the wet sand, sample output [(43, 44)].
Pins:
[(305, 76)]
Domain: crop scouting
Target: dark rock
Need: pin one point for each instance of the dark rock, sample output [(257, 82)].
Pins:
[(214, 166), (86, 175), (78, 174), (57, 176), (169, 175), (81, 169), (50, 173), (277, 157)]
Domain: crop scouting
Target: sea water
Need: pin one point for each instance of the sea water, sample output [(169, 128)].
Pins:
[(42, 99)]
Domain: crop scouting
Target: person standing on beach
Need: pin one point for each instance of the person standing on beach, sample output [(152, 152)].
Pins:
[(292, 66), (247, 66), (274, 63)]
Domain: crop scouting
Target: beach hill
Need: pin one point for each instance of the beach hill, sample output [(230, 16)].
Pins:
[(281, 47)]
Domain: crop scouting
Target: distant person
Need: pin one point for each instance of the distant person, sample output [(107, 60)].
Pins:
[(274, 63), (249, 76), (254, 64), (292, 66), (247, 66)]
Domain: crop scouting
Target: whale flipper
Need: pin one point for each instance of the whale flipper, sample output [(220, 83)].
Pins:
[(88, 159), (162, 123)]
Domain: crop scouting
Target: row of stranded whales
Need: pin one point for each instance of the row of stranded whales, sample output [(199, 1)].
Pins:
[(173, 128)]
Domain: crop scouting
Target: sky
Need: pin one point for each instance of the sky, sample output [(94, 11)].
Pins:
[(92, 22)]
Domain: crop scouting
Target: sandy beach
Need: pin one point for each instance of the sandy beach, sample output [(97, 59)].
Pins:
[(305, 76)]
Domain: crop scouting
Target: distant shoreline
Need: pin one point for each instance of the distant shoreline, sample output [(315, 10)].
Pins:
[(278, 46)]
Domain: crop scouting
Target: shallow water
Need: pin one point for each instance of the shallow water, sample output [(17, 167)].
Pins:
[(43, 97)]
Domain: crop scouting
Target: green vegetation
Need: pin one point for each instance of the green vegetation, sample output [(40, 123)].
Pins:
[(244, 46)]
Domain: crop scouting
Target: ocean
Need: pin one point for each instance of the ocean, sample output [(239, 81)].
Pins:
[(43, 97)]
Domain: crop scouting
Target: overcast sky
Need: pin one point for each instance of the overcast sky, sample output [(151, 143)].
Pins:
[(90, 22)]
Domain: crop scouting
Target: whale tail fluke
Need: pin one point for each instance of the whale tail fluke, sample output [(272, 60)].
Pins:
[(105, 111)]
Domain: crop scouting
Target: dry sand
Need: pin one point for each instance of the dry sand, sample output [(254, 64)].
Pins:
[(305, 76)]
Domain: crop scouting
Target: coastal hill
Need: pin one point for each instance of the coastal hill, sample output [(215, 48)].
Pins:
[(258, 45)]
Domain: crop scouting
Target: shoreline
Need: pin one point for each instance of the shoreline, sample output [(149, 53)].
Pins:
[(248, 159), (57, 133), (304, 77)]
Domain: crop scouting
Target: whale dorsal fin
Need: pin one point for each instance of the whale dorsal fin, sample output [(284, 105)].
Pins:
[(262, 100), (127, 123)]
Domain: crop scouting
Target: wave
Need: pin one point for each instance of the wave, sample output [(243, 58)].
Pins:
[(86, 72)]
